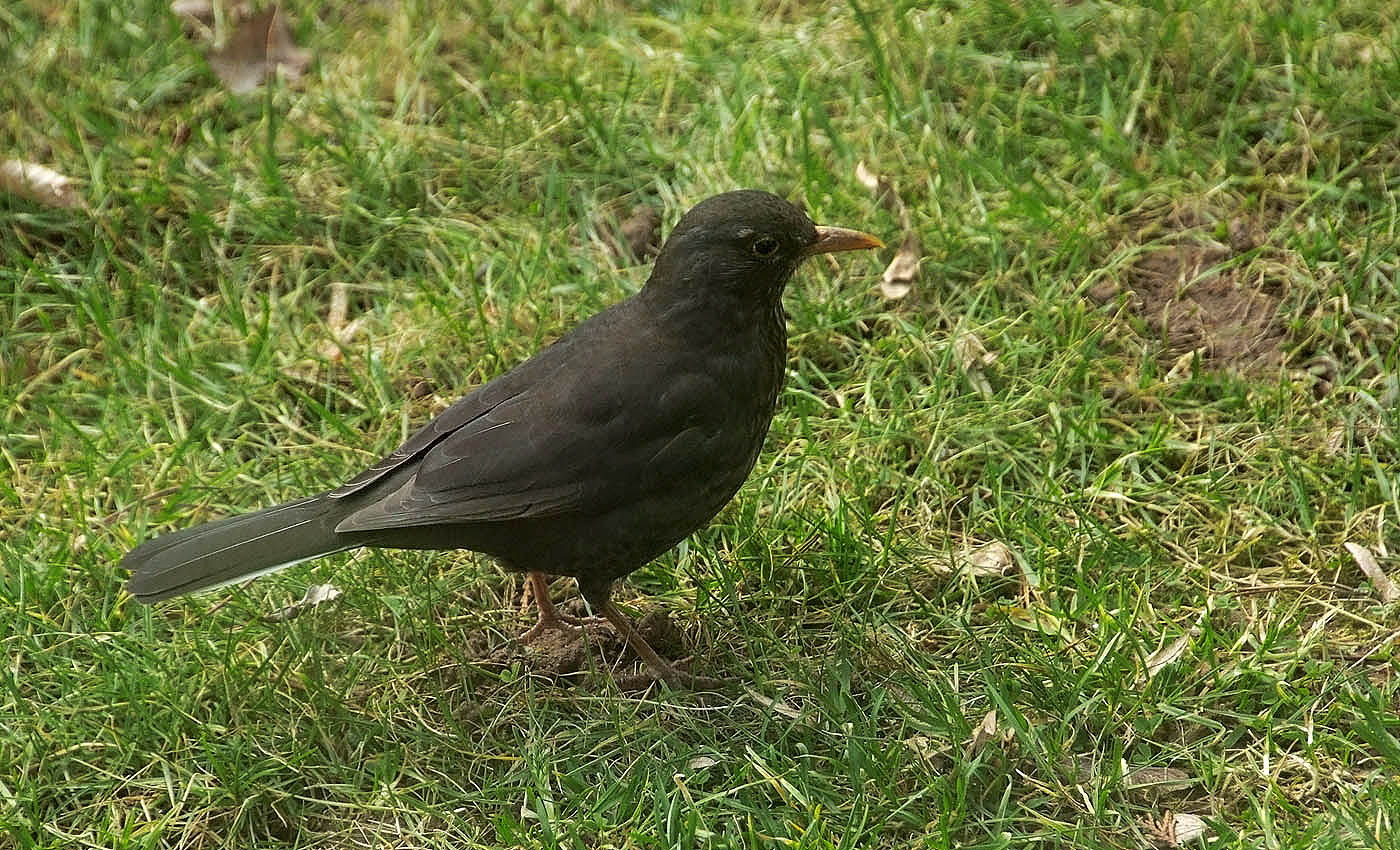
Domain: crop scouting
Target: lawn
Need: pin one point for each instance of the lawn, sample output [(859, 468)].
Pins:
[(1061, 548)]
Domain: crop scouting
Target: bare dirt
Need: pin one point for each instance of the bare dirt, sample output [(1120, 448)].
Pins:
[(1189, 295)]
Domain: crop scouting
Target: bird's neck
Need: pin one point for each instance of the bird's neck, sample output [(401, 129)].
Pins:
[(718, 318)]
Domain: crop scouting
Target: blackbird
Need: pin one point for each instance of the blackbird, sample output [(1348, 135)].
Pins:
[(591, 458)]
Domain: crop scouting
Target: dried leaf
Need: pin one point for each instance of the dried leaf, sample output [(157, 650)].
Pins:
[(201, 11), (1385, 588), (1165, 655), (316, 594), (259, 46), (341, 330), (922, 747), (898, 279), (882, 187), (1175, 829), (38, 183), (639, 235), (991, 559), (776, 706), (1185, 366), (899, 276), (985, 731), (972, 356), (340, 307), (1162, 778), (1034, 619), (1187, 828)]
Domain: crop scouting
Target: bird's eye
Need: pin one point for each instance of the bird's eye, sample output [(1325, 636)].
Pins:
[(765, 246)]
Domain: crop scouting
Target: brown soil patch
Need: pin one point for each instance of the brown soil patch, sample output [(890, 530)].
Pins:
[(1228, 315)]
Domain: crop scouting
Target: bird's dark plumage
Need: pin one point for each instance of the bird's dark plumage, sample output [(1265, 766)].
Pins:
[(589, 459)]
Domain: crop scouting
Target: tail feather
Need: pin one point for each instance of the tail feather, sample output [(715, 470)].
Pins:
[(236, 548)]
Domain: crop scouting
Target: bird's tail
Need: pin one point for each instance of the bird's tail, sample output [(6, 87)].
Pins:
[(240, 547)]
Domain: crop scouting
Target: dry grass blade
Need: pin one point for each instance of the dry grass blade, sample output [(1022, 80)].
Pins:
[(1385, 587), (1166, 655)]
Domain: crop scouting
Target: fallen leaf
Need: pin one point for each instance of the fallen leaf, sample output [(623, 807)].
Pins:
[(1165, 655), (316, 594), (340, 307), (1185, 366), (777, 706), (972, 356), (922, 747), (638, 236), (39, 183), (985, 731), (990, 559), (259, 46), (1385, 588), (881, 186), (341, 330), (199, 11), (898, 279), (1034, 619), (1162, 778), (1174, 829)]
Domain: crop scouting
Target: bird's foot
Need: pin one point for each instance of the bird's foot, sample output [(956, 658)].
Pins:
[(551, 618), (558, 622)]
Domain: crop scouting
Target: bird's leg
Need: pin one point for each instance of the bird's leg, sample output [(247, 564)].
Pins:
[(550, 617), (659, 667)]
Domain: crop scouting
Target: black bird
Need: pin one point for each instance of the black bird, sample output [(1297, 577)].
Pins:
[(589, 459)]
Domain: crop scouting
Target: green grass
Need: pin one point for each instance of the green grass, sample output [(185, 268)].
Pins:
[(166, 358)]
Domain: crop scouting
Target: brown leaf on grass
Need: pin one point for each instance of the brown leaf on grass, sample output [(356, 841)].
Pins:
[(1383, 584), (1033, 618), (259, 46), (881, 186), (39, 183), (985, 731), (199, 17), (195, 11), (1157, 778), (898, 279), (638, 237)]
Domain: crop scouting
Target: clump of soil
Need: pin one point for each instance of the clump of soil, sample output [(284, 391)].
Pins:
[(1187, 295)]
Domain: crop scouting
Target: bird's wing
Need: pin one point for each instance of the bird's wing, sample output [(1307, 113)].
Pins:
[(462, 414), (512, 461), (545, 439)]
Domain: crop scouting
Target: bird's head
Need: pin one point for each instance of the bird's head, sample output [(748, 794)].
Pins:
[(746, 244)]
